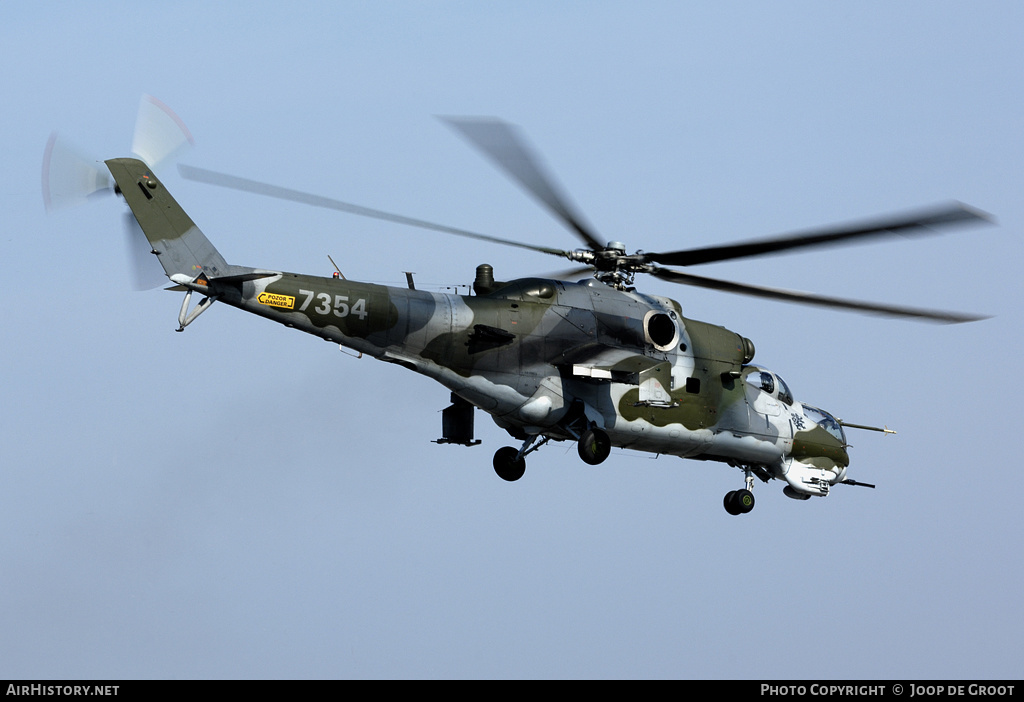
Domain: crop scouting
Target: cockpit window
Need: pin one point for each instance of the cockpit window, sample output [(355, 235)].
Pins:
[(784, 392), (771, 384), (826, 421)]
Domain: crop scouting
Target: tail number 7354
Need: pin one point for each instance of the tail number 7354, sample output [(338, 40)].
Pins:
[(338, 305)]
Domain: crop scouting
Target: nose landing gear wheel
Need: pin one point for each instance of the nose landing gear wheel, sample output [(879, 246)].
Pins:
[(739, 502), (508, 465), (594, 446)]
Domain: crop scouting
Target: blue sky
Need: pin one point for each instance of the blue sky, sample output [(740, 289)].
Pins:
[(243, 501)]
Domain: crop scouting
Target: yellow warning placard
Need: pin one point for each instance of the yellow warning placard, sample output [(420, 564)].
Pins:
[(275, 300)]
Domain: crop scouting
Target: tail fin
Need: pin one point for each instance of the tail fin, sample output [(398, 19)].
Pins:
[(179, 244)]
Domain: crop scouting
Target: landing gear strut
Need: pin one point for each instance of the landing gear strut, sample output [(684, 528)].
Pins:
[(510, 463), (594, 446)]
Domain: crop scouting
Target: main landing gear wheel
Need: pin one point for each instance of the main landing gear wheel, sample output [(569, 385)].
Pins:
[(739, 502), (508, 465), (594, 446)]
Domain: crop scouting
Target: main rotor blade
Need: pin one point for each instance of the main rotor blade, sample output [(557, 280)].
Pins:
[(500, 141), (923, 222), (224, 180), (569, 273), (813, 299)]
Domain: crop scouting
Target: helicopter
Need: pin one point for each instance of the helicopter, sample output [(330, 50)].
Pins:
[(596, 361)]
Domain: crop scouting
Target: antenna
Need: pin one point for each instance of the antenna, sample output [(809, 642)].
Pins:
[(337, 271)]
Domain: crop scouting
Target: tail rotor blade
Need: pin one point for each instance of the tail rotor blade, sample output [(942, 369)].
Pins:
[(160, 135), (70, 177), (146, 272)]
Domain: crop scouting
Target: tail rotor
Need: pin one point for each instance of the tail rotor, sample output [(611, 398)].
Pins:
[(71, 178)]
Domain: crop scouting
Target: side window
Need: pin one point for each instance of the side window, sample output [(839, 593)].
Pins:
[(767, 383)]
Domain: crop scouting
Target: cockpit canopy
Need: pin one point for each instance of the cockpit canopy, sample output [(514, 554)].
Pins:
[(826, 421), (772, 384)]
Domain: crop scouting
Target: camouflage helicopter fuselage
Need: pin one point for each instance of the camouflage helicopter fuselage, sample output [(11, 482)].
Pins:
[(545, 358)]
